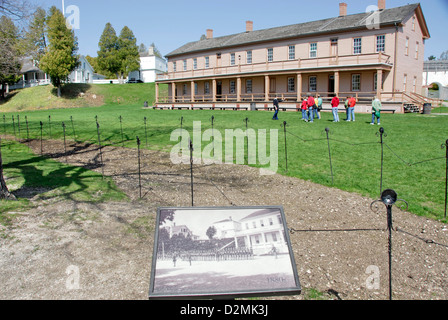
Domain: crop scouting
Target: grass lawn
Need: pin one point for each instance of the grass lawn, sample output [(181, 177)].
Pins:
[(355, 147)]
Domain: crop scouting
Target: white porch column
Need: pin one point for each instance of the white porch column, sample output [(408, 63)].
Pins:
[(214, 90), (173, 91), (192, 91), (336, 83), (299, 87), (266, 88), (379, 83), (238, 89), (157, 92)]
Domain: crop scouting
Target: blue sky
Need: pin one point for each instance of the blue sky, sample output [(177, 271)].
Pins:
[(170, 24)]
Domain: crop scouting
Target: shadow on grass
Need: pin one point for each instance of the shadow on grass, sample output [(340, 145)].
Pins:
[(48, 179), (7, 98), (71, 91)]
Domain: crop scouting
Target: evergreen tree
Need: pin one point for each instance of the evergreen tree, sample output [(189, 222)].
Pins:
[(156, 51), (128, 53), (9, 54), (108, 61), (35, 37), (60, 59)]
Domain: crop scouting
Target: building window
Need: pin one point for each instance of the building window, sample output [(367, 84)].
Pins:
[(271, 223), (413, 23), (185, 65), (274, 237), (357, 46), (406, 50), (232, 86), (270, 54), (184, 89), (174, 66), (206, 87), (405, 81), (232, 59), (313, 50), (207, 62), (291, 84), (195, 63), (291, 52), (249, 57), (313, 84), (414, 85), (249, 86), (356, 82), (416, 50), (254, 225), (381, 43)]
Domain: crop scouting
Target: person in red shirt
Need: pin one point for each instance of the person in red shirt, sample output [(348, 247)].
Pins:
[(334, 108), (311, 106), (351, 109), (304, 107)]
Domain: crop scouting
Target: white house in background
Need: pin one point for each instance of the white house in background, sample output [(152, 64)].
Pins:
[(83, 73), (435, 71), (150, 66)]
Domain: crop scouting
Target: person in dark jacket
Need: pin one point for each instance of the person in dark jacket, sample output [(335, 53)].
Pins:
[(276, 108)]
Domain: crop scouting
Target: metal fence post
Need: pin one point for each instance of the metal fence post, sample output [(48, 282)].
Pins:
[(327, 130), (445, 145), (65, 146), (139, 170), (191, 170), (286, 150), (100, 149), (121, 129)]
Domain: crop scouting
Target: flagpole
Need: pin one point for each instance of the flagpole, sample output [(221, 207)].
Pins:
[(63, 8)]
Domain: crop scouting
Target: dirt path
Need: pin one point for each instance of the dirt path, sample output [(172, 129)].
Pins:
[(338, 241)]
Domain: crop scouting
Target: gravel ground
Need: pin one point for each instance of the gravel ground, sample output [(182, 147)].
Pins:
[(339, 243)]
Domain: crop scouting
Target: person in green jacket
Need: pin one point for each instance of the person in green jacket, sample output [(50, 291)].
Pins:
[(376, 110)]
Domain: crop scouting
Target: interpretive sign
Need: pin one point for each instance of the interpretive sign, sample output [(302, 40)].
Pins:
[(224, 252)]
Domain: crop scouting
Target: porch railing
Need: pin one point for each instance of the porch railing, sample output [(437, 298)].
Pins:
[(282, 65)]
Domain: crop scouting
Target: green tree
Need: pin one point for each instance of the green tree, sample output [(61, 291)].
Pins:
[(211, 232), (156, 51), (108, 61), (61, 58), (9, 54), (36, 38), (444, 55), (127, 53)]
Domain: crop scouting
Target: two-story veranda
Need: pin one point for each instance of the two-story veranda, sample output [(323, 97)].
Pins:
[(362, 55)]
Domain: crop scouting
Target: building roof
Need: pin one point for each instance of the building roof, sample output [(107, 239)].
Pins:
[(435, 65), (330, 25), (28, 66), (261, 212)]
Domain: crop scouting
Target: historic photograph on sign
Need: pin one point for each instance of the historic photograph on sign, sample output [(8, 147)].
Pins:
[(235, 251)]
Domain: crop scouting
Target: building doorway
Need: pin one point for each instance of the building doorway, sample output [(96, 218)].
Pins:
[(218, 90), (331, 86)]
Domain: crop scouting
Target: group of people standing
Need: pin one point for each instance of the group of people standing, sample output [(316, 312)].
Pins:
[(311, 107)]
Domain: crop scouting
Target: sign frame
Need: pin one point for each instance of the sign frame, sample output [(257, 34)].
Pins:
[(271, 219)]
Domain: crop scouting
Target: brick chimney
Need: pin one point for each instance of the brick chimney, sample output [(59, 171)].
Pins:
[(342, 9), (249, 26), (381, 4), (209, 33)]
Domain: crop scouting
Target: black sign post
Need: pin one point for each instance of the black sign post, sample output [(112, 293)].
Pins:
[(389, 198)]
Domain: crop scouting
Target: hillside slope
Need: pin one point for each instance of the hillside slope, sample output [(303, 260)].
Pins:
[(78, 95)]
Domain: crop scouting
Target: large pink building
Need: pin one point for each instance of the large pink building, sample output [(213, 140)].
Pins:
[(378, 53)]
